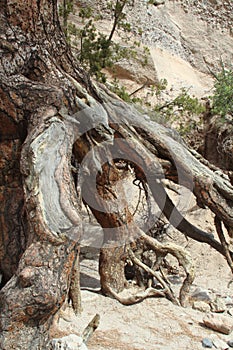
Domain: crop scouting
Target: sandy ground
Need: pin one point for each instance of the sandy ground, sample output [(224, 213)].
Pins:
[(154, 323)]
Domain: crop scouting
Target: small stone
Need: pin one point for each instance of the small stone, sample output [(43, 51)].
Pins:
[(218, 305), (158, 2), (219, 323), (174, 279), (230, 343), (201, 306), (201, 295), (69, 342), (207, 343), (220, 344)]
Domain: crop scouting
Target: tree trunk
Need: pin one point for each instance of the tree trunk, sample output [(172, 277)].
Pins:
[(40, 221), (53, 118)]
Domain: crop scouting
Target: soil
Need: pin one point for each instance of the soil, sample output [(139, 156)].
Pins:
[(155, 323)]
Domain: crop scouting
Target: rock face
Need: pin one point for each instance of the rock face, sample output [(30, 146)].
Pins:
[(197, 33), (188, 29), (194, 33)]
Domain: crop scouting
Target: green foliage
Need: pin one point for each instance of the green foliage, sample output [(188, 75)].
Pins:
[(180, 111), (64, 11), (222, 99), (121, 91), (188, 104), (97, 50)]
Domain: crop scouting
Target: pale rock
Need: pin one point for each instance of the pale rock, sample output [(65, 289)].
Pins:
[(220, 344), (219, 323), (201, 306), (218, 305), (69, 342), (158, 2), (228, 301), (207, 343), (201, 295)]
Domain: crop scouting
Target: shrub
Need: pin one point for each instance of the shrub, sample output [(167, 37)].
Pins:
[(222, 99)]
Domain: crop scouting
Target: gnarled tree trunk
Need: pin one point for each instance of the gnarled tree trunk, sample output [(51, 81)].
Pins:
[(53, 118), (40, 221)]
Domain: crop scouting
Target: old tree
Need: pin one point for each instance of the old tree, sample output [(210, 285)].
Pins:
[(65, 140)]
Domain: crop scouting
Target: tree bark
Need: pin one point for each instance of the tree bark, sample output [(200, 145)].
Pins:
[(40, 221)]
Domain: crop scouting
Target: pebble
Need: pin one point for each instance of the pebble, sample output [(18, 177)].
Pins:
[(68, 342), (201, 306), (207, 343), (228, 300), (230, 343), (230, 311), (201, 295), (174, 279), (220, 344), (218, 305)]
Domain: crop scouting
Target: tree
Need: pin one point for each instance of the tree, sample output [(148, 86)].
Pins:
[(62, 138), (94, 49)]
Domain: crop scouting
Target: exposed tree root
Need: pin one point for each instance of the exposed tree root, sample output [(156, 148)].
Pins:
[(90, 329), (167, 290), (74, 291), (137, 297), (180, 254), (225, 245), (161, 250)]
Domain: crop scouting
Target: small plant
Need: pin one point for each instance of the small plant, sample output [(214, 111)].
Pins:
[(222, 99), (122, 92), (183, 111), (96, 50), (188, 104)]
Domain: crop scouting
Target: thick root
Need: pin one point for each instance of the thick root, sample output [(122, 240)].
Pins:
[(167, 290), (137, 297), (183, 257)]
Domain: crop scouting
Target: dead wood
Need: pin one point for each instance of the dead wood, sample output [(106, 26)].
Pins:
[(136, 297), (74, 290), (90, 329), (225, 245), (181, 255), (166, 289)]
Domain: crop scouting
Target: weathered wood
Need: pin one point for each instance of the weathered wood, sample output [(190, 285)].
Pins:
[(90, 329), (213, 189), (42, 226), (166, 289)]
